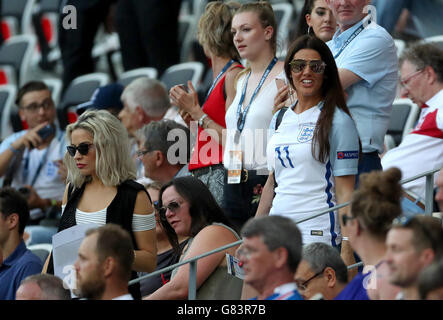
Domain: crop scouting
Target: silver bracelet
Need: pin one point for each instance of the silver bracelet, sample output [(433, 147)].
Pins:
[(344, 238)]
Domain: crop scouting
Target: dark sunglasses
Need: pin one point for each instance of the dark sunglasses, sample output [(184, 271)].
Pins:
[(317, 66), (83, 149), (172, 206), (345, 218)]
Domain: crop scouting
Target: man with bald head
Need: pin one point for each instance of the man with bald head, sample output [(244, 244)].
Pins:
[(42, 287)]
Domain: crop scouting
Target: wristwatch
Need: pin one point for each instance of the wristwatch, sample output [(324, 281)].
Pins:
[(200, 121)]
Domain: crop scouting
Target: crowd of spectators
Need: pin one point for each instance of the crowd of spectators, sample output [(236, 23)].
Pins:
[(163, 176)]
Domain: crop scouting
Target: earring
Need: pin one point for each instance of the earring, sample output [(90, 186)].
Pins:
[(309, 30)]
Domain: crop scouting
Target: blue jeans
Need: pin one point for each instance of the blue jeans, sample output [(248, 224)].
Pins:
[(408, 207), (425, 13)]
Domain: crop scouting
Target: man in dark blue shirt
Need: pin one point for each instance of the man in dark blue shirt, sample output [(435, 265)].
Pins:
[(18, 262)]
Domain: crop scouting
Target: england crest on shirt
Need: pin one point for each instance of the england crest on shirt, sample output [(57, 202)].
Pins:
[(306, 133)]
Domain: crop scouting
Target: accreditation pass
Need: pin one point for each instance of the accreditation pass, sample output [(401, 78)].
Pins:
[(235, 166)]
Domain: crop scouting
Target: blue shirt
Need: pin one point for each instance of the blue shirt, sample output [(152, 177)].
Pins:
[(19, 265), (355, 289), (47, 182), (372, 56)]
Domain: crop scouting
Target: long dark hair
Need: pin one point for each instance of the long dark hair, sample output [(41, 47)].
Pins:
[(203, 208), (302, 25), (332, 92)]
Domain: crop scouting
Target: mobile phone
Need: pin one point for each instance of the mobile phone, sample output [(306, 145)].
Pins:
[(46, 131)]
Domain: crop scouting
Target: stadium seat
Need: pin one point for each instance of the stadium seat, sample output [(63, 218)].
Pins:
[(436, 39), (7, 97), (50, 10), (80, 90), (181, 73), (187, 26), (55, 86), (128, 76), (16, 52), (41, 250), (403, 118), (389, 142)]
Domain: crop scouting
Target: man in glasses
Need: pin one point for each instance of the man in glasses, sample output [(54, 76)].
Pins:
[(270, 254), (321, 271), (412, 244), (31, 159), (165, 151), (421, 80), (367, 62)]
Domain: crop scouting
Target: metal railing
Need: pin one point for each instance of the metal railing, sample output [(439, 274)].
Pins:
[(192, 288)]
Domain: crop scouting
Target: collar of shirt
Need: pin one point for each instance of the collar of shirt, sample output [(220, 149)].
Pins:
[(340, 38), (16, 254), (285, 288), (124, 297)]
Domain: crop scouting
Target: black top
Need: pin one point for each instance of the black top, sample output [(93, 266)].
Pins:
[(165, 259)]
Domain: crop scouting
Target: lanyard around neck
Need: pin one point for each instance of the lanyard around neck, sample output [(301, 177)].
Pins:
[(242, 115), (43, 160), (225, 68)]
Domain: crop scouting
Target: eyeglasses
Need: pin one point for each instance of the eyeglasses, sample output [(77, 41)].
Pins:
[(345, 218), (304, 285), (83, 149), (34, 107), (317, 66), (172, 206), (404, 82)]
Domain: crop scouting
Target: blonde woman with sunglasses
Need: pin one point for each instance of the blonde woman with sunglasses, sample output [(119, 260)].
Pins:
[(101, 187)]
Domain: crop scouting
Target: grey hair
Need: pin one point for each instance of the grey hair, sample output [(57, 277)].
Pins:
[(52, 287), (150, 94), (158, 135), (277, 232), (321, 255), (423, 55), (113, 162)]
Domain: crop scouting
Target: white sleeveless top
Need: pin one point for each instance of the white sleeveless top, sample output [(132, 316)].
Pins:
[(254, 136), (140, 222)]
